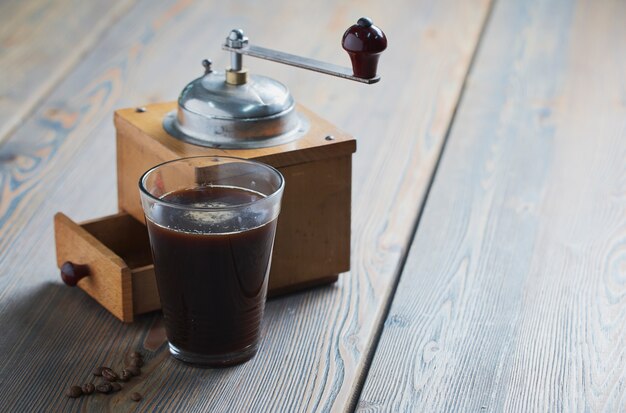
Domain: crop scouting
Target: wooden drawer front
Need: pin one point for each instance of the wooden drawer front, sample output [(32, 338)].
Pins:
[(109, 281)]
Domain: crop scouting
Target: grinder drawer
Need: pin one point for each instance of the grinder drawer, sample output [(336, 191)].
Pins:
[(110, 259)]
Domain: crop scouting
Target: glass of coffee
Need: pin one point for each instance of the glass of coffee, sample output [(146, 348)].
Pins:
[(212, 222)]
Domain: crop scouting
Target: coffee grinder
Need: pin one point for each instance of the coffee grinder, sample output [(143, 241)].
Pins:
[(229, 113)]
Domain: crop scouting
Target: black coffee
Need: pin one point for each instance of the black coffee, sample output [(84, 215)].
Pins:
[(212, 286)]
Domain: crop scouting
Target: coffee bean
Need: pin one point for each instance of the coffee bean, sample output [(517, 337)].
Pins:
[(126, 375), (135, 371), (116, 386), (88, 388), (136, 397), (74, 392), (97, 371), (109, 375), (104, 388), (131, 359)]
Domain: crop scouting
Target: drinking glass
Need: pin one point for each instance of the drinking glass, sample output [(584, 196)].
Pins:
[(211, 221)]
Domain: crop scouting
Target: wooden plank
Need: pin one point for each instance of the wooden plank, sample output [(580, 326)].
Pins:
[(40, 42), (513, 294), (315, 344)]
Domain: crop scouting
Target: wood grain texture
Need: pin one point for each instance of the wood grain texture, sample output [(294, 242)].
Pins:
[(124, 235), (514, 292), (40, 42), (315, 344), (109, 280)]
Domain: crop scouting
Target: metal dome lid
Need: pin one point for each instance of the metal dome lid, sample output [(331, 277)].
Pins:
[(212, 97), (256, 113)]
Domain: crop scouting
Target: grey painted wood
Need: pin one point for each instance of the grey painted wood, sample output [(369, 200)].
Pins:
[(513, 297), (40, 42), (316, 343)]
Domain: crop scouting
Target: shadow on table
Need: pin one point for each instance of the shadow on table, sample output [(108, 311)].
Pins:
[(289, 324), (53, 336), (52, 317), (52, 314)]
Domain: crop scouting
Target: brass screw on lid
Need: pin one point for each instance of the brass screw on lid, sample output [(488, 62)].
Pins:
[(236, 75)]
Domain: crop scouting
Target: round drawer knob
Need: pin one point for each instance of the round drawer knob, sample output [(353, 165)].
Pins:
[(72, 273)]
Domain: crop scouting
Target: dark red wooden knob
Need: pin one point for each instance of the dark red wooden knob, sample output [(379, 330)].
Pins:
[(364, 42), (72, 273)]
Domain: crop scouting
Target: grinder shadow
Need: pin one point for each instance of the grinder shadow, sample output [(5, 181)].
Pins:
[(174, 385), (55, 335)]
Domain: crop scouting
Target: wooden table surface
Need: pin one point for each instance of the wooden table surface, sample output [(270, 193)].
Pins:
[(489, 205)]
